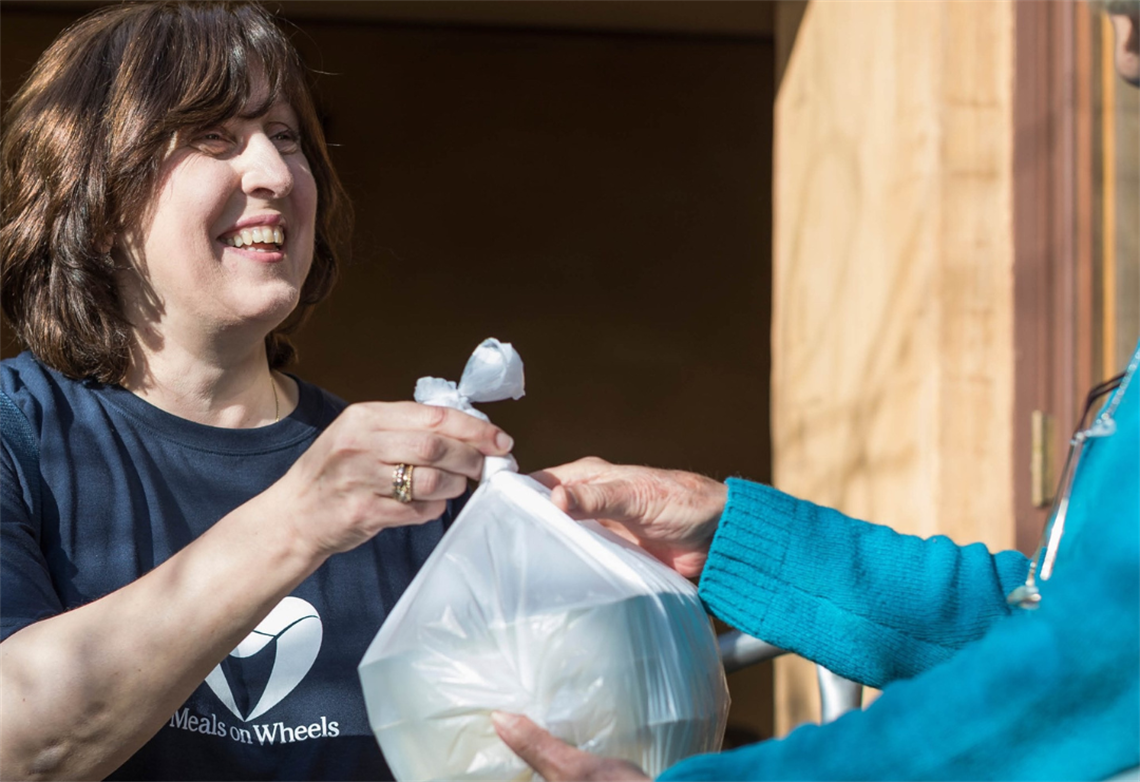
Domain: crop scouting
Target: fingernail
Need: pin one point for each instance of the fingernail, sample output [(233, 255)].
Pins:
[(503, 721), (504, 441), (572, 503)]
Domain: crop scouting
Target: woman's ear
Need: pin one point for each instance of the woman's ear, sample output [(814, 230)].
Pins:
[(1127, 54)]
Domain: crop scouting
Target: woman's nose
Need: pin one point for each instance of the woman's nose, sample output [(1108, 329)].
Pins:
[(266, 173)]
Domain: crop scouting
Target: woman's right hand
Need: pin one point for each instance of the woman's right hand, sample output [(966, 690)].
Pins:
[(340, 492), (671, 514)]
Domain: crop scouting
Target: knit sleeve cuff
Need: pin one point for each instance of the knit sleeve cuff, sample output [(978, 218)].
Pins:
[(742, 575)]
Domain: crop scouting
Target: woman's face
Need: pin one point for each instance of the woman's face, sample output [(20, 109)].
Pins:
[(228, 239)]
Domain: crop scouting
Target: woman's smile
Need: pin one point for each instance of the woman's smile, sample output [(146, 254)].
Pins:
[(262, 239)]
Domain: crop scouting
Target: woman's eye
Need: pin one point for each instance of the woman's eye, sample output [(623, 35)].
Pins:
[(212, 141), (287, 140)]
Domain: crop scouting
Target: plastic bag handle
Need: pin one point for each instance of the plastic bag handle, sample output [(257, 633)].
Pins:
[(494, 372)]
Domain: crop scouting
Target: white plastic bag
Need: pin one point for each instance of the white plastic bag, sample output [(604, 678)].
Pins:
[(494, 372), (522, 609)]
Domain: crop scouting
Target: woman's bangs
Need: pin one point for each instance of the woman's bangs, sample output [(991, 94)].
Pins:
[(226, 69)]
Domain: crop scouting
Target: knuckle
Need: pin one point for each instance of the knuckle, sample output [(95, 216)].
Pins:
[(434, 416), (344, 442), (345, 435), (428, 448), (430, 509), (431, 481), (456, 485), (641, 499), (354, 415)]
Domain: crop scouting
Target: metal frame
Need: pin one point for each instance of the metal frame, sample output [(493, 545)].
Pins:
[(836, 694)]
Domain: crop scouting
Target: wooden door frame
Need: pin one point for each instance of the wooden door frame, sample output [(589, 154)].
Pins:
[(1053, 237)]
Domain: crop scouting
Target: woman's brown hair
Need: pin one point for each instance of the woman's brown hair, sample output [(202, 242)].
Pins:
[(83, 141)]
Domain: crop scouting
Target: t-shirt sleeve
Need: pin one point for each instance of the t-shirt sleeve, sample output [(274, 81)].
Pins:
[(866, 602), (26, 591)]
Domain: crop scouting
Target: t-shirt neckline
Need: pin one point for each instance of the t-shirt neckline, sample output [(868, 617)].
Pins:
[(303, 423)]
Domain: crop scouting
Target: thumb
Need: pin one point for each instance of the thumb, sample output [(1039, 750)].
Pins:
[(541, 751), (592, 500)]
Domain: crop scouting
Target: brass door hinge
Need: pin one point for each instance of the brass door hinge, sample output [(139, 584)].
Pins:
[(1041, 459)]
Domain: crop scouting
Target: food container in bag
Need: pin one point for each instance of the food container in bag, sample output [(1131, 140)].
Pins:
[(522, 609)]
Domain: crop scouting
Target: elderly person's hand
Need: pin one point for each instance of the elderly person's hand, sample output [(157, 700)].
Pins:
[(669, 513), (555, 760)]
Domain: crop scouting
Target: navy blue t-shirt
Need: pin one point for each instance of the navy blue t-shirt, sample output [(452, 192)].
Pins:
[(122, 487)]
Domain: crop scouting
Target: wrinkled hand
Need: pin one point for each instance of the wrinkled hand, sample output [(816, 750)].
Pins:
[(669, 513), (555, 760), (340, 492)]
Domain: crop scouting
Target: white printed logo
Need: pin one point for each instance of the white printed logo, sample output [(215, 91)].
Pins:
[(296, 626)]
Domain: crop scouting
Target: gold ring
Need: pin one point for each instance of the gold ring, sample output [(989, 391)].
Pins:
[(402, 483)]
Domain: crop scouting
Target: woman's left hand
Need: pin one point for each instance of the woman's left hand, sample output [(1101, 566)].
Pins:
[(555, 760)]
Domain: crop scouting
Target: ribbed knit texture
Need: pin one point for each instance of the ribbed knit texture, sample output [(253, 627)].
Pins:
[(813, 581), (971, 689)]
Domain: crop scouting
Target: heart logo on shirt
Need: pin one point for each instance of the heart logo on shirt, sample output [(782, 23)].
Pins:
[(293, 632)]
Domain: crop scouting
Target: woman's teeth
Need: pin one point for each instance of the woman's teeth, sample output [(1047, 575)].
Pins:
[(248, 236)]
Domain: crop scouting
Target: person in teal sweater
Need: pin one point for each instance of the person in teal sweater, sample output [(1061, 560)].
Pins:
[(974, 686), (992, 666)]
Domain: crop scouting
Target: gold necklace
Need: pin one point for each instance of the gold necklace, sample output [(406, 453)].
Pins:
[(276, 406)]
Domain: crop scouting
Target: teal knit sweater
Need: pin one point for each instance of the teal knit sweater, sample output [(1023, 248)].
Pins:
[(971, 688)]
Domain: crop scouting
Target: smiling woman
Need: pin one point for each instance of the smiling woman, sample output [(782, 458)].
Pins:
[(105, 173), (219, 191), (195, 547)]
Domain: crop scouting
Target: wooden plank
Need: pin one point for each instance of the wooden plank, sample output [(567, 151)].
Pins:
[(893, 286)]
